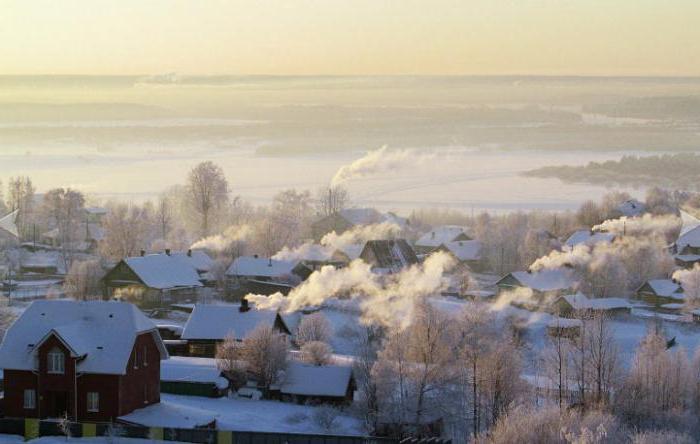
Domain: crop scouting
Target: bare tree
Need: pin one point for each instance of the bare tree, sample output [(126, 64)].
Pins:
[(207, 192), (331, 200), (164, 216), (265, 351), (556, 359), (229, 360), (314, 327), (20, 196), (603, 357), (125, 231), (83, 280), (64, 208), (316, 353)]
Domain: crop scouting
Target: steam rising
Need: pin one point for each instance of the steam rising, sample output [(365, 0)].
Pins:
[(221, 242), (388, 300), (378, 161), (665, 226)]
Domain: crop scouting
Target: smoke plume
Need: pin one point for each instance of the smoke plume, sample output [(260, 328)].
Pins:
[(388, 300), (224, 241), (379, 161), (666, 226)]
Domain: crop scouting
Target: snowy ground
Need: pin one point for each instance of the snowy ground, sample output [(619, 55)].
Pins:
[(238, 415)]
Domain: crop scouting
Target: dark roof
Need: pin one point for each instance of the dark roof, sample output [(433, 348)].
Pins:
[(390, 254)]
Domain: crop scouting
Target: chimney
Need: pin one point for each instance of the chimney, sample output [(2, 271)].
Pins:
[(255, 256), (167, 251), (432, 235), (143, 253), (269, 263), (189, 252), (244, 306)]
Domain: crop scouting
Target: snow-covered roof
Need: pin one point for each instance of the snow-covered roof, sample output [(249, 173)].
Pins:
[(579, 301), (163, 271), (362, 216), (177, 329), (199, 259), (102, 332), (260, 266), (440, 235), (187, 369), (312, 380), (352, 251), (589, 238), (690, 233), (666, 287), (215, 322), (546, 280), (8, 223), (631, 208), (465, 250)]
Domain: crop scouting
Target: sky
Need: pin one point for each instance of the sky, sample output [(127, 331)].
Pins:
[(351, 37)]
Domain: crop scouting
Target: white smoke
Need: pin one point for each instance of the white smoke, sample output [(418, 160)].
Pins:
[(379, 161), (224, 241), (578, 256), (388, 300), (649, 224)]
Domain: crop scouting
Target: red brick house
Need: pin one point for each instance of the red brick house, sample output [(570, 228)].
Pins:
[(94, 361)]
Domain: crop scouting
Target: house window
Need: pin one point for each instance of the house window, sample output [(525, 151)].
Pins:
[(56, 361), (93, 402), (29, 399)]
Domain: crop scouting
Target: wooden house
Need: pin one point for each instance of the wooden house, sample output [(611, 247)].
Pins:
[(349, 218), (660, 292), (465, 252), (578, 304), (686, 249), (588, 237), (305, 383), (438, 236), (93, 361), (388, 256), (9, 233), (153, 280), (544, 284)]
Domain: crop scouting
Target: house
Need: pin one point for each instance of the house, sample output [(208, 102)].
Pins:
[(388, 256), (347, 253), (543, 283), (9, 233), (589, 238), (199, 260), (153, 280), (571, 304), (438, 236), (466, 252), (193, 377), (659, 292), (209, 325), (349, 218), (687, 246), (631, 208), (93, 361), (305, 383), (256, 268), (89, 235)]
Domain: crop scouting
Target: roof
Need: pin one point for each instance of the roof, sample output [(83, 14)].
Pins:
[(312, 380), (666, 287), (588, 238), (102, 332), (579, 301), (8, 223), (163, 271), (465, 250), (440, 235), (631, 208), (546, 280), (391, 255), (215, 322), (690, 233), (260, 266), (352, 251), (197, 370), (199, 259)]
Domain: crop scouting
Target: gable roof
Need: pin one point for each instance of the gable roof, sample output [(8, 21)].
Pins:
[(690, 233), (199, 259), (579, 301), (8, 223), (313, 380), (190, 369), (546, 280), (442, 235), (260, 266), (215, 322), (351, 251), (589, 238), (666, 287), (102, 332), (464, 250), (163, 271), (390, 254)]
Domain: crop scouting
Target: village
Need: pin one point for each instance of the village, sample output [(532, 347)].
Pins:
[(334, 320)]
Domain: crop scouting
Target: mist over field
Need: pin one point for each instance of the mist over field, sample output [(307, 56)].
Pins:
[(131, 137)]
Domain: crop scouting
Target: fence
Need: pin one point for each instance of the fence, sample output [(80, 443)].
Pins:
[(34, 428)]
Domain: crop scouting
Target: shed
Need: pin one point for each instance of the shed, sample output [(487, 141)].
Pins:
[(192, 377), (304, 383)]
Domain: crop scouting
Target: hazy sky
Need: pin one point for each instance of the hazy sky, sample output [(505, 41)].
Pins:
[(596, 37)]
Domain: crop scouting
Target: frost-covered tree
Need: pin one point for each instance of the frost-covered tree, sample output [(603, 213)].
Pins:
[(265, 352), (64, 210), (207, 193), (316, 353), (331, 200), (83, 280), (125, 231), (314, 327), (690, 281)]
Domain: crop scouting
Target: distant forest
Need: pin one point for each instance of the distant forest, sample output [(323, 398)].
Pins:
[(678, 171)]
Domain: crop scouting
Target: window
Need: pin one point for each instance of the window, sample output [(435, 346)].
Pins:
[(56, 361), (145, 362), (93, 402), (136, 358), (29, 399)]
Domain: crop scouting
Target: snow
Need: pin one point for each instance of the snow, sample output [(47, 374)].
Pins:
[(362, 216), (690, 233), (586, 237), (217, 321), (84, 327), (546, 280), (440, 235), (579, 301), (163, 271), (465, 250), (199, 259), (666, 288), (176, 329), (259, 266), (352, 251), (188, 369), (239, 415), (312, 380)]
